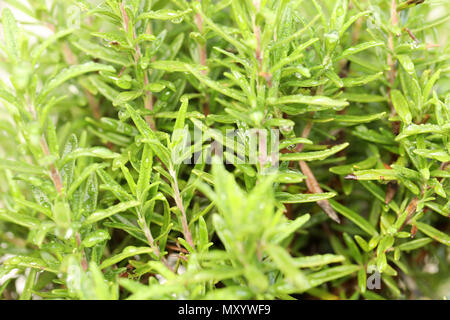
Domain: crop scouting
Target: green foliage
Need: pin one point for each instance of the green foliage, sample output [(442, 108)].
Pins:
[(95, 205)]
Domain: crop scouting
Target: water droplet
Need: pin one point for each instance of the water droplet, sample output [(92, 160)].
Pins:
[(123, 115), (138, 140), (177, 20)]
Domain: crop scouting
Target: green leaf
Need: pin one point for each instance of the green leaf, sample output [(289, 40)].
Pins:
[(313, 155), (362, 97), (362, 243), (10, 33), (334, 78), (349, 168), (141, 125), (28, 262), (414, 244), (358, 119), (285, 230), (84, 175), (430, 83), (317, 260), (95, 237), (360, 81), (354, 217), (29, 283), (20, 219), (98, 152), (289, 176), (101, 52), (73, 72), (373, 174), (433, 233), (174, 66), (129, 251), (164, 14), (440, 155), (401, 106), (103, 214), (62, 215), (353, 249), (406, 63), (179, 123), (22, 167), (362, 280), (358, 48), (7, 96), (330, 274), (285, 197), (286, 264), (232, 93), (314, 100), (107, 91), (293, 141), (37, 52), (145, 172), (414, 129), (126, 96)]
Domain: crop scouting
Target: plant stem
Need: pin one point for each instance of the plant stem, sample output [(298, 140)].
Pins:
[(56, 177), (148, 99), (203, 57), (390, 60), (179, 201), (311, 181)]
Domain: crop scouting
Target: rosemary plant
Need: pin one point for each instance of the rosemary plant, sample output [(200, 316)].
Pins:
[(114, 178)]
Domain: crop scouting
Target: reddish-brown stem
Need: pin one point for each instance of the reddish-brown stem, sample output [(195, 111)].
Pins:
[(411, 35), (148, 103), (179, 201), (203, 57), (390, 60), (311, 182), (94, 104), (148, 99), (258, 54), (84, 263), (201, 47), (56, 177), (262, 135), (411, 209)]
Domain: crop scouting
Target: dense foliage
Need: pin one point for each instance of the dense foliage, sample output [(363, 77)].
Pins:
[(94, 204)]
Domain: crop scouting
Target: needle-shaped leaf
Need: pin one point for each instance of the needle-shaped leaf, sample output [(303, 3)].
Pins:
[(145, 172), (434, 233), (73, 72), (164, 14), (285, 197), (103, 214), (401, 106), (101, 52), (10, 33), (330, 274), (20, 219), (37, 52), (314, 100), (18, 166), (354, 217), (313, 155), (360, 47), (129, 251), (97, 152)]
